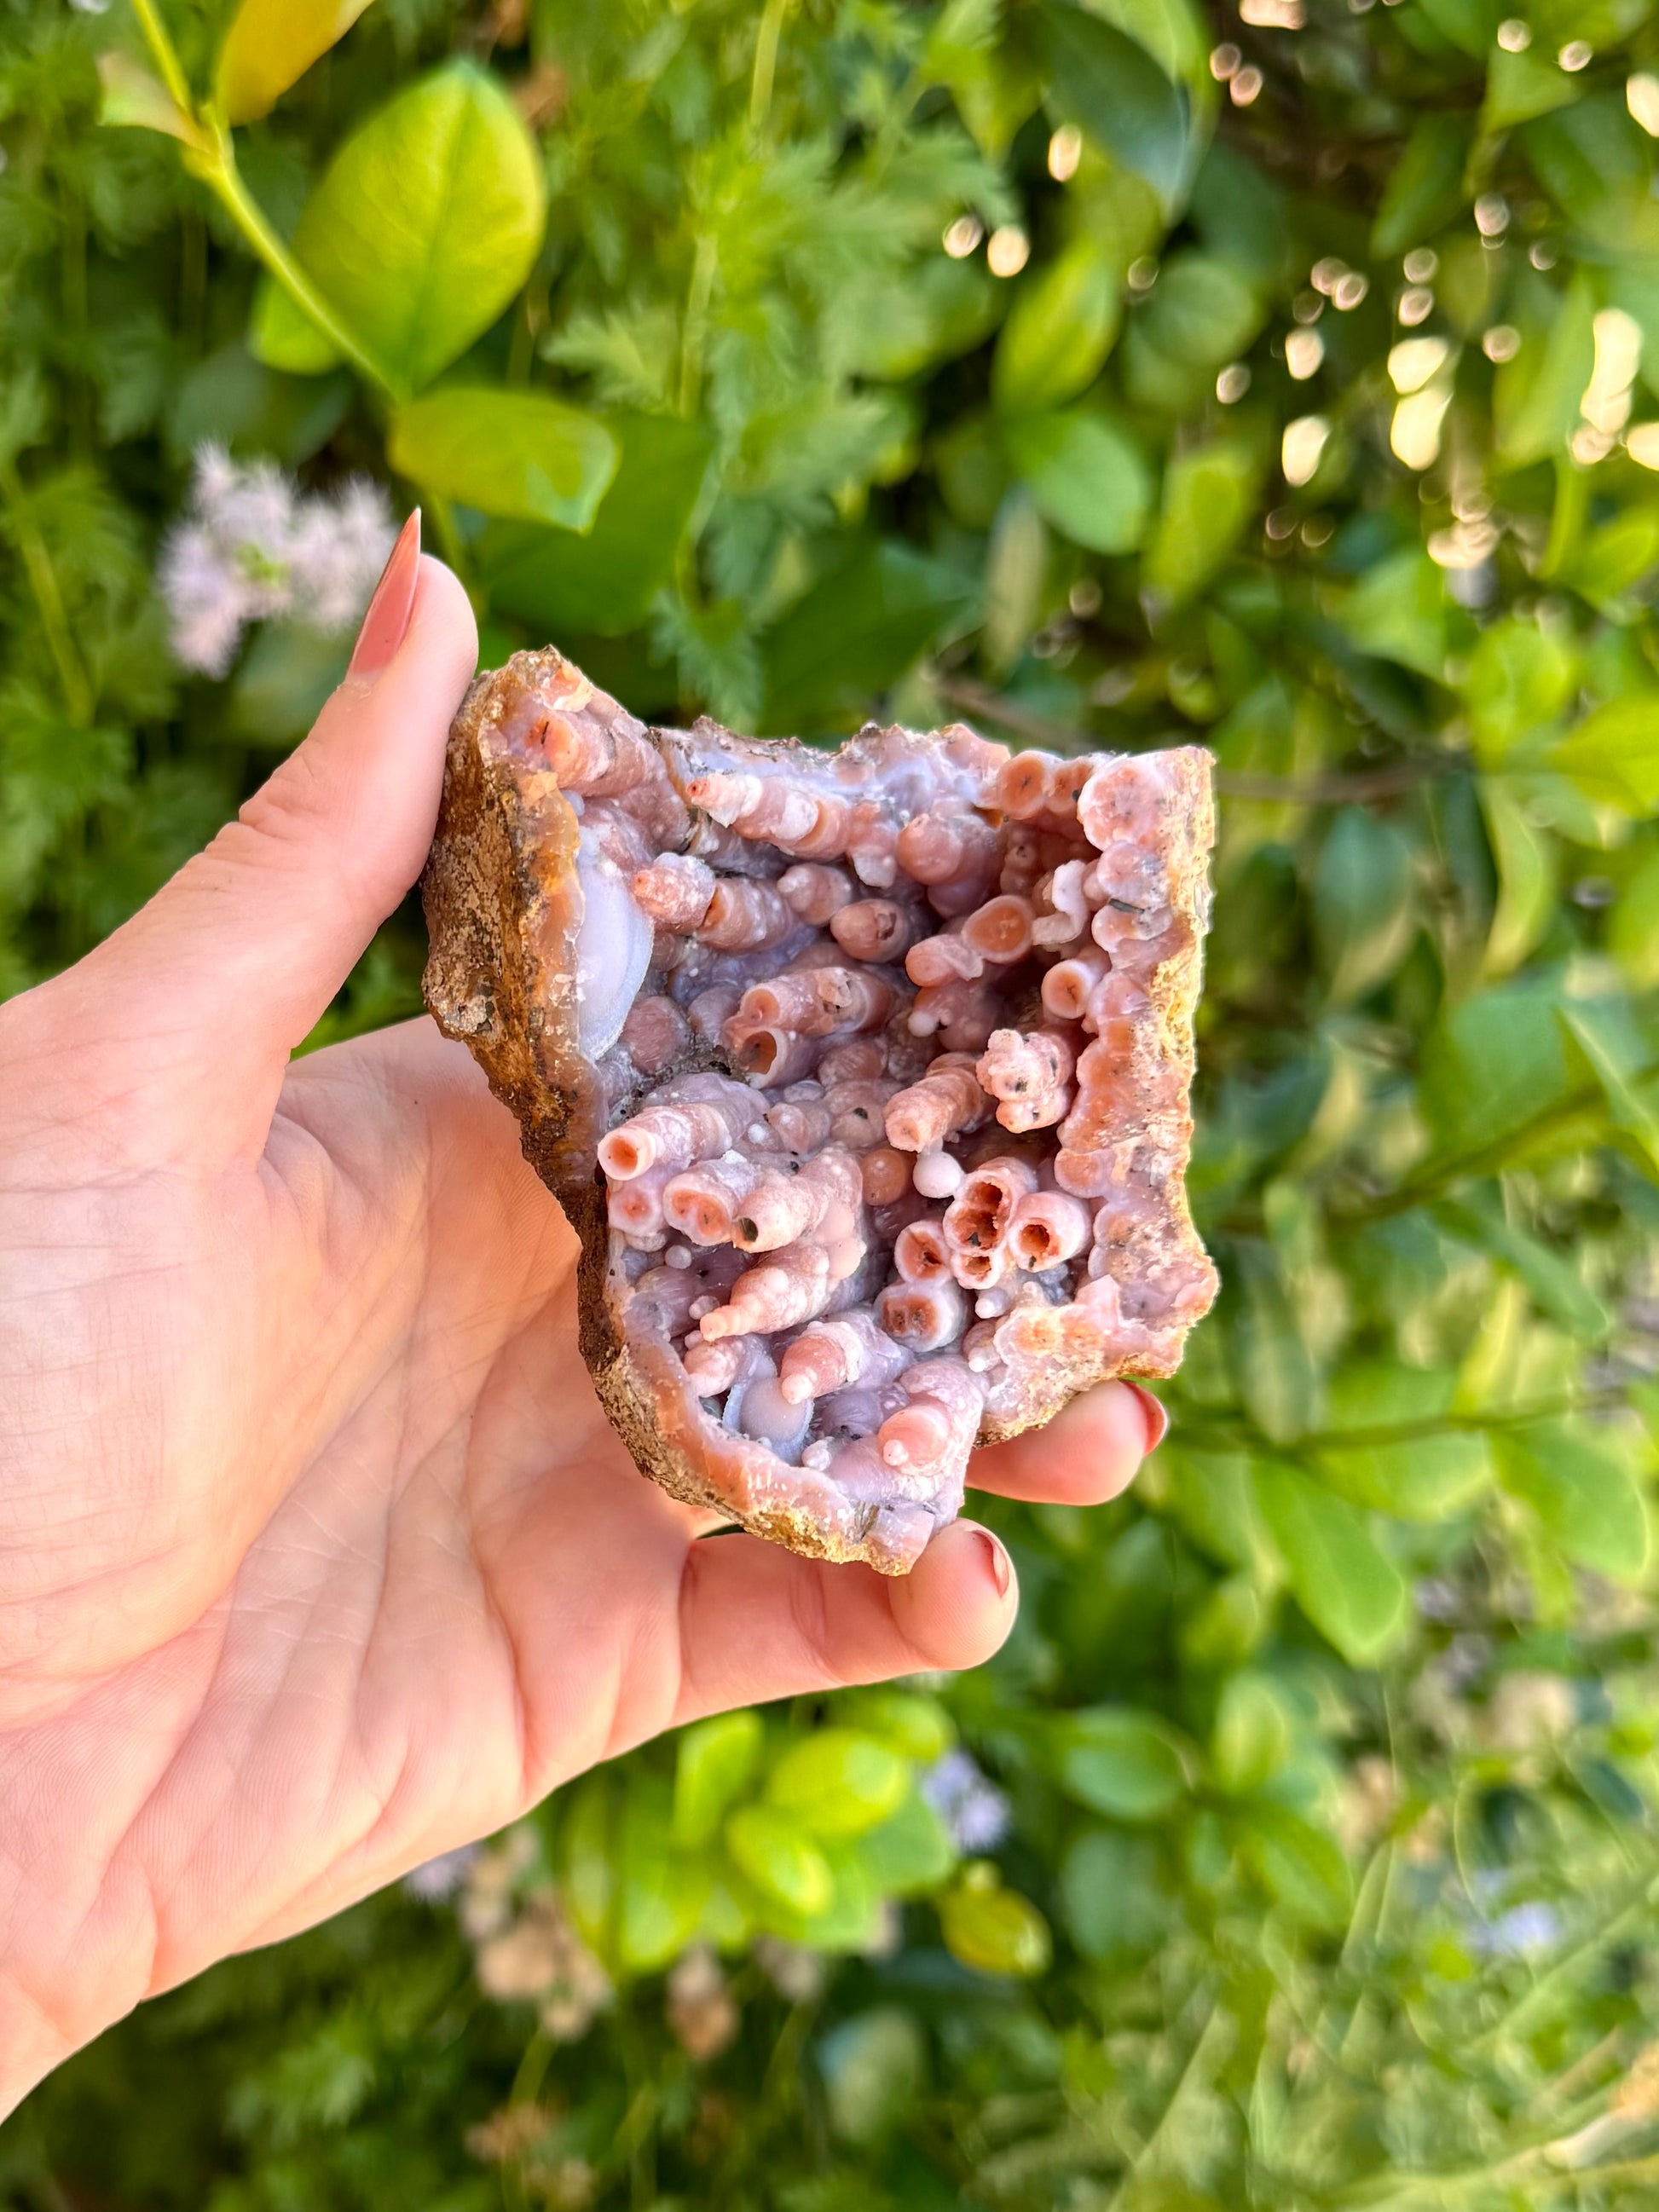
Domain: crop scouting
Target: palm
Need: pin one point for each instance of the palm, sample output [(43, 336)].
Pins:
[(317, 1554)]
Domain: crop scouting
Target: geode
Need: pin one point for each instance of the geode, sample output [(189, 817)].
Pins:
[(863, 1075)]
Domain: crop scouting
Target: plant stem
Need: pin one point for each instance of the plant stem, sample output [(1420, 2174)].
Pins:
[(766, 62), (49, 601), (697, 297), (214, 160)]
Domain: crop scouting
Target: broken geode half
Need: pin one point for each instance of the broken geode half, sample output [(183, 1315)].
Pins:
[(862, 1075)]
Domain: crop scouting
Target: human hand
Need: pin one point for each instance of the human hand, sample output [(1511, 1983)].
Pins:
[(317, 1554)]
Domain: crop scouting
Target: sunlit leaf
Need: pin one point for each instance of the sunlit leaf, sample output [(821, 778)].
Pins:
[(1111, 86), (1087, 476), (271, 44), (1343, 1580), (518, 454)]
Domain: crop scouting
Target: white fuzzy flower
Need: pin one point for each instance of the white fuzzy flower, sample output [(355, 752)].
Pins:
[(252, 546)]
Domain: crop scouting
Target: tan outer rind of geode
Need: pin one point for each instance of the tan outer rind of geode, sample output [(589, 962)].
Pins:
[(503, 907)]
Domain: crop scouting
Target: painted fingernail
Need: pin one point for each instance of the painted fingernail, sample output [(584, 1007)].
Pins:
[(1156, 1414), (1001, 1566), (387, 619)]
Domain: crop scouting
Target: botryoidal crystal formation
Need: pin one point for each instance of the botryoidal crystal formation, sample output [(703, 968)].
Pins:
[(864, 1075)]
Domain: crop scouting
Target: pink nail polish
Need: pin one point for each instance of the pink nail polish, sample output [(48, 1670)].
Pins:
[(1157, 1415), (387, 619), (1000, 1565)]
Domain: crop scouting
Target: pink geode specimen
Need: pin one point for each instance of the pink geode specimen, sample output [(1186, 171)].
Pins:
[(863, 1075)]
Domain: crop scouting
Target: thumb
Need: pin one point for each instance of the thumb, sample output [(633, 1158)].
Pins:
[(205, 993)]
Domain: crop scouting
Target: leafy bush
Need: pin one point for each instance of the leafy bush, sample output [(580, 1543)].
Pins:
[(1122, 374)]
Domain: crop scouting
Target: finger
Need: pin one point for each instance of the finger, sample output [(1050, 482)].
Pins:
[(758, 1622), (1090, 1451), (197, 1002)]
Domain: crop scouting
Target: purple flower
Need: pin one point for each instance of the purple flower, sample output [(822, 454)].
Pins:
[(973, 1810)]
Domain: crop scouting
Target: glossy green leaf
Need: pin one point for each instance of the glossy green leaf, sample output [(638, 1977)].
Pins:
[(1209, 494), (1200, 313), (1363, 918), (1086, 475), (1525, 862), (1301, 1866), (131, 98), (994, 1931), (914, 1723), (839, 1781), (781, 1859), (1470, 24), (1614, 755), (1617, 559), (518, 454), (1119, 1761), (1535, 396), (271, 44), (1495, 1065), (427, 221), (1555, 1286), (1425, 191), (283, 335), (1112, 88), (1058, 331), (713, 1763), (1398, 610), (1581, 1492), (1342, 1578)]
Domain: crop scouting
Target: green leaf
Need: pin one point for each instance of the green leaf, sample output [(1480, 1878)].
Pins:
[(1300, 1865), (1604, 1040), (1495, 1064), (271, 44), (1209, 494), (1425, 191), (1059, 332), (1399, 611), (602, 583), (713, 1763), (1519, 678), (914, 1723), (1556, 1287), (284, 681), (1429, 1479), (1470, 24), (283, 337), (513, 453), (132, 99), (1535, 396), (1614, 559), (660, 1897), (1525, 861), (994, 1930), (1614, 754), (1117, 1760), (1086, 475), (1274, 1370), (909, 1852), (1342, 1578), (839, 1781), (1111, 1894), (1585, 1498), (1520, 86), (1200, 313), (427, 221), (1111, 87), (1364, 906), (588, 1860), (856, 631), (1252, 1737), (782, 1862)]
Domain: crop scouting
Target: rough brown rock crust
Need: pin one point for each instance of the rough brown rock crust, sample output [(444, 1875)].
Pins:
[(906, 1027)]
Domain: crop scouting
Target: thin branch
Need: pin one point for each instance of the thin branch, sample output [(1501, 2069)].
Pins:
[(1336, 790)]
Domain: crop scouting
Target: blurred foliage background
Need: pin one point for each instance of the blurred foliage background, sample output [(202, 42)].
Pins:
[(1285, 377)]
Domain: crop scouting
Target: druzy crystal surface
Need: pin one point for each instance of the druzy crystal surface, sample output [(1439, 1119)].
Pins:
[(864, 1075)]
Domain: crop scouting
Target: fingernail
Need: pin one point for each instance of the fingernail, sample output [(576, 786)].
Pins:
[(1001, 1566), (1157, 1415), (387, 619)]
